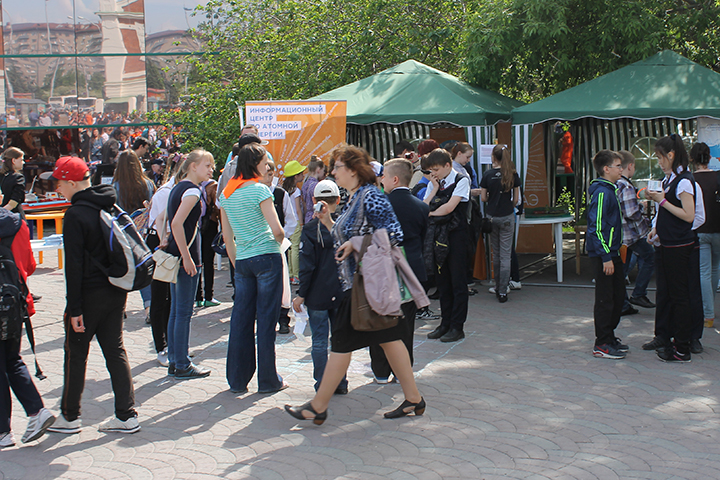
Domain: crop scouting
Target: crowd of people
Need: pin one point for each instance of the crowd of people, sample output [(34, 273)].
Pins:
[(325, 229)]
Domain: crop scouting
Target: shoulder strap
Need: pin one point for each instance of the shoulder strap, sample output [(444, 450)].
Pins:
[(367, 240)]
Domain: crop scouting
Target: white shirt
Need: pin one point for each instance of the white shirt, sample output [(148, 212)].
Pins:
[(159, 202), (684, 185), (290, 216), (462, 189)]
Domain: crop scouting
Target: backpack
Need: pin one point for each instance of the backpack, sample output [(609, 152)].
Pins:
[(131, 263), (13, 304), (13, 301)]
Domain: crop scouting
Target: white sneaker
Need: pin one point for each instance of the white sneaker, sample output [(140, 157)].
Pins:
[(491, 290), (515, 285), (7, 440), (162, 358), (38, 425), (116, 425), (61, 425)]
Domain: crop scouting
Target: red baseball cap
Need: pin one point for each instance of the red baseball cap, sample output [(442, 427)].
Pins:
[(70, 168)]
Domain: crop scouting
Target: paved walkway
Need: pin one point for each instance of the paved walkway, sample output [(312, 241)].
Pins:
[(520, 397)]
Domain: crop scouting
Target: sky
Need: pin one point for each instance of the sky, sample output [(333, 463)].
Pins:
[(160, 15)]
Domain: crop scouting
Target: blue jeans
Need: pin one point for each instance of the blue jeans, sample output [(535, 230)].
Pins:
[(258, 292), (709, 270), (320, 326), (182, 296), (646, 266), (146, 294)]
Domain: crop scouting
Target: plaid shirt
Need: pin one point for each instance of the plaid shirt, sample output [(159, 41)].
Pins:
[(634, 225)]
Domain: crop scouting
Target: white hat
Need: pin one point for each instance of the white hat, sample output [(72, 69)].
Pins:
[(377, 168), (325, 189)]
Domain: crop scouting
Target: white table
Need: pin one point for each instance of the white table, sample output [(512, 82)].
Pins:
[(556, 222)]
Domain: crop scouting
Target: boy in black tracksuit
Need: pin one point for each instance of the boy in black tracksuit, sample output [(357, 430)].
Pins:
[(320, 288), (604, 237), (94, 306)]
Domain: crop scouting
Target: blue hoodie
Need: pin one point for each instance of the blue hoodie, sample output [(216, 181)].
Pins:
[(604, 230)]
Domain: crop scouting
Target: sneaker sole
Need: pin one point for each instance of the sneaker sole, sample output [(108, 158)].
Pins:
[(674, 360), (44, 428), (607, 355), (190, 377), (66, 431), (120, 430)]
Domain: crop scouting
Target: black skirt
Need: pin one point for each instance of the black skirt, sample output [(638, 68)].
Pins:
[(346, 339)]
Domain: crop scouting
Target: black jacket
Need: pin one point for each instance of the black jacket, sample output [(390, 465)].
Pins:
[(319, 280), (83, 239), (412, 213)]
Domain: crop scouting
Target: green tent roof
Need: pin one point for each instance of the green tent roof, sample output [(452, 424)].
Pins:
[(415, 92), (664, 85)]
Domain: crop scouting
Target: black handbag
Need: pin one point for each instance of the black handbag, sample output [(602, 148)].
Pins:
[(218, 245), (486, 225)]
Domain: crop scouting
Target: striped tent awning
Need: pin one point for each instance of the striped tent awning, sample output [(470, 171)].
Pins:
[(592, 135), (379, 139)]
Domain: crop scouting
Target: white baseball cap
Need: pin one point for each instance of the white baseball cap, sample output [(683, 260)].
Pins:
[(325, 189)]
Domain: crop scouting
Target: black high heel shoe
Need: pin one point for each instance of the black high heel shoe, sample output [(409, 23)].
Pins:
[(318, 418), (417, 409)]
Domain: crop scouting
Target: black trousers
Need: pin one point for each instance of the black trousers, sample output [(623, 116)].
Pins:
[(103, 318), (159, 313), (697, 315), (452, 281), (378, 361), (609, 299), (14, 374), (207, 235), (673, 312), (514, 266)]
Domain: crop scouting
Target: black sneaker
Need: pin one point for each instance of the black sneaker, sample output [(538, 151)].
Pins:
[(607, 350), (283, 329), (621, 346), (643, 301), (453, 335), (426, 314), (438, 332), (193, 371), (630, 310), (171, 370), (655, 344), (670, 354), (696, 346), (502, 298)]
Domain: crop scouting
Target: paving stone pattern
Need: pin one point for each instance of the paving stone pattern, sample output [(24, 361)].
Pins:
[(521, 397)]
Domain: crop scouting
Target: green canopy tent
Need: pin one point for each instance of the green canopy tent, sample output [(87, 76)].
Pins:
[(627, 109), (402, 103)]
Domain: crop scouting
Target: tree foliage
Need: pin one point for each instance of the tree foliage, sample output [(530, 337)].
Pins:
[(529, 49), (294, 49), (526, 49)]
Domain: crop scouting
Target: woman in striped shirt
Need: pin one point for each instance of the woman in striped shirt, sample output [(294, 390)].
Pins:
[(252, 233)]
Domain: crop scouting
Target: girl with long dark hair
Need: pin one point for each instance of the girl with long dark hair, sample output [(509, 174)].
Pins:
[(500, 189), (673, 230)]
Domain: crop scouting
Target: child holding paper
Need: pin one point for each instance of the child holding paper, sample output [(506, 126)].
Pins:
[(320, 288)]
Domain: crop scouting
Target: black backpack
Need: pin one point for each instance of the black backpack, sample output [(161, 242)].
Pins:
[(13, 301), (131, 263)]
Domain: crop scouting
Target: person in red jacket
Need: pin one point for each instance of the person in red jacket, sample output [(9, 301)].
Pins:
[(13, 371)]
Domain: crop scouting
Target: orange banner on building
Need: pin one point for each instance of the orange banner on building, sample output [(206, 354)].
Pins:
[(298, 129)]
